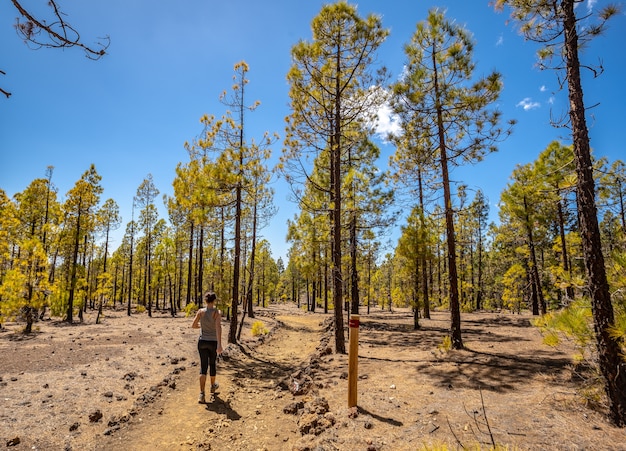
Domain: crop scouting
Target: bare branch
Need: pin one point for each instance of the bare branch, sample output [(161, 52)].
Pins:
[(59, 33), (6, 93)]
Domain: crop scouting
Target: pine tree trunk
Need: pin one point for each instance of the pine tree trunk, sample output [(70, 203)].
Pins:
[(455, 308), (354, 279), (612, 366), (232, 333), (335, 188), (70, 302), (539, 304), (190, 266), (569, 290)]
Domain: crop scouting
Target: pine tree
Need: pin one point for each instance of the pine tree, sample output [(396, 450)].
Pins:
[(331, 102), (232, 174), (80, 212), (562, 30), (109, 219), (521, 201), (555, 168), (148, 216), (448, 116)]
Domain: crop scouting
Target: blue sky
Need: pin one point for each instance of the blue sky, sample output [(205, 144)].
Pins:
[(131, 112)]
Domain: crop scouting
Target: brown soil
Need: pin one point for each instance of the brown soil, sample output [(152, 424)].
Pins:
[(132, 383)]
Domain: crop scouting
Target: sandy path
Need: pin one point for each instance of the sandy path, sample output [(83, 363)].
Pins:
[(246, 413)]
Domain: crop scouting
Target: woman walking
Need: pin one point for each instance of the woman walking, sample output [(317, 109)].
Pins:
[(209, 320)]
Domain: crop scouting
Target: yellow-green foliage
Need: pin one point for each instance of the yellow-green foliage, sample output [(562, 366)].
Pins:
[(258, 328), (190, 309), (619, 331), (617, 276), (467, 307), (12, 292), (140, 309), (56, 301), (26, 283), (513, 282), (575, 322), (446, 344), (551, 339), (401, 297)]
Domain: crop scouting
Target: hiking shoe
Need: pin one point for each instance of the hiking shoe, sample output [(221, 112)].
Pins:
[(214, 387), (201, 399)]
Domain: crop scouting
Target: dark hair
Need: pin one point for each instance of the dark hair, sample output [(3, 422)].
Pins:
[(209, 297)]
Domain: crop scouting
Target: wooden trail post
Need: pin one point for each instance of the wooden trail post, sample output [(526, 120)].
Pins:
[(353, 360)]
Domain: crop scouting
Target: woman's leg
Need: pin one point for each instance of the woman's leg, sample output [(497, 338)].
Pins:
[(213, 361), (204, 351)]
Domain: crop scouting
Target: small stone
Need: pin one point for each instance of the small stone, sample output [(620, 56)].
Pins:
[(109, 431), (293, 407), (95, 416)]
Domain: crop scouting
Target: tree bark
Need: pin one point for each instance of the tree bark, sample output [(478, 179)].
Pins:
[(538, 301), (455, 308), (354, 279), (612, 366), (70, 302), (335, 149)]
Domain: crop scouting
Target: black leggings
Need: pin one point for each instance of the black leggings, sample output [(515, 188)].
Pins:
[(208, 356)]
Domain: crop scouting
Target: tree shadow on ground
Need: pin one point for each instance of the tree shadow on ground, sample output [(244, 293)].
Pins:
[(255, 367), (506, 367), (21, 335), (380, 418), (491, 371), (401, 335), (500, 320)]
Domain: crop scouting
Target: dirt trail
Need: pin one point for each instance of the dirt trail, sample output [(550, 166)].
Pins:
[(140, 375), (506, 388), (247, 411)]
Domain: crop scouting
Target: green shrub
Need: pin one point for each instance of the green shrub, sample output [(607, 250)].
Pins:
[(574, 322), (258, 328), (190, 309), (446, 344)]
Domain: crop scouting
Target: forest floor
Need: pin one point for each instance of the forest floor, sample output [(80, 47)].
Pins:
[(132, 383)]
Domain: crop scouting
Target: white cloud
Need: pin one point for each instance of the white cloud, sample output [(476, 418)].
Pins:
[(528, 104), (543, 88), (591, 4), (500, 41), (388, 123)]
